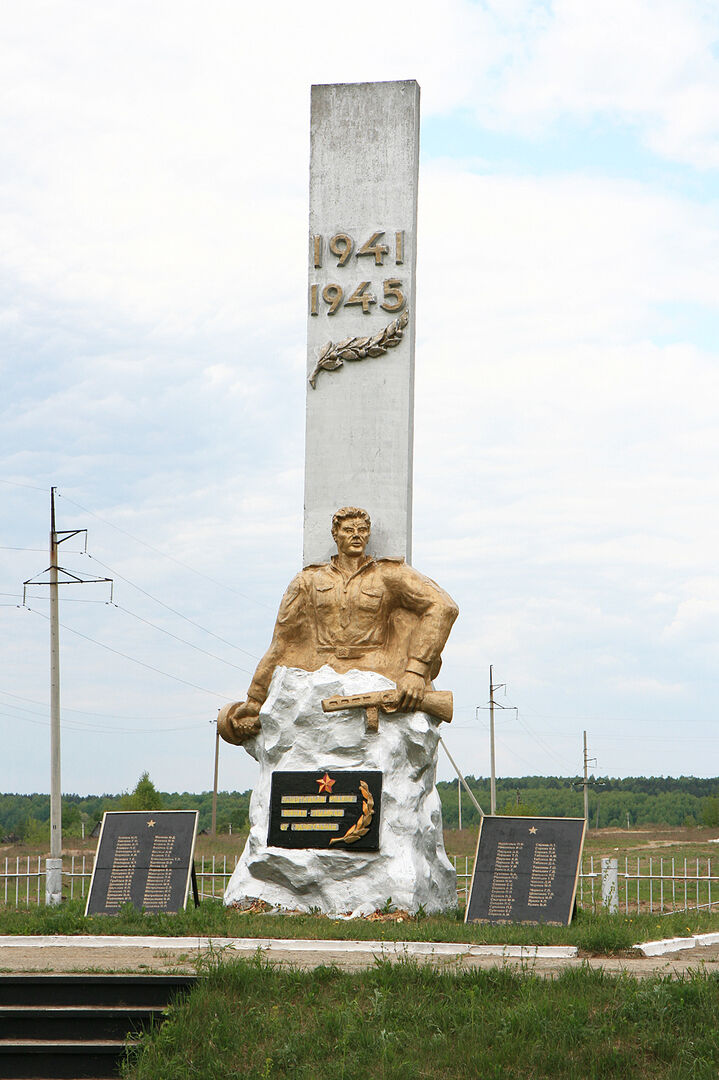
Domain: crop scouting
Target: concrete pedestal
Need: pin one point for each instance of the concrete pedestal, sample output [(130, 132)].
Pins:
[(410, 867)]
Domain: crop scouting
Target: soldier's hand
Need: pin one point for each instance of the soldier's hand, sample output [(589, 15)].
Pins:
[(239, 721), (411, 690)]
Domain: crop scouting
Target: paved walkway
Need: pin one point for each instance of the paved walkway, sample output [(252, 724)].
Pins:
[(163, 955)]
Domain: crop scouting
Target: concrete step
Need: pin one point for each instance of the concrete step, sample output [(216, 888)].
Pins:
[(142, 990), (75, 1022), (56, 1027), (49, 1059)]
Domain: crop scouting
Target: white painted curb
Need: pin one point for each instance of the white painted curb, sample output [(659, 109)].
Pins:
[(289, 945), (676, 944)]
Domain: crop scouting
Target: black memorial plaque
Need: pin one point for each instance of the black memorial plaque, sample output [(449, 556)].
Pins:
[(526, 870), (329, 808), (144, 857)]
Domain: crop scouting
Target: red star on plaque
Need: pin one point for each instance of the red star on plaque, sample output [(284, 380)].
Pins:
[(326, 784)]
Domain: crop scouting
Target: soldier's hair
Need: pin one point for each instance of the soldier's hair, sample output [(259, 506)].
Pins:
[(349, 512)]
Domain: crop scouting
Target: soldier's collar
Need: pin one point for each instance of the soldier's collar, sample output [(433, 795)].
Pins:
[(368, 561)]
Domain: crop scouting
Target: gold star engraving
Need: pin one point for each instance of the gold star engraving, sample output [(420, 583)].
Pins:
[(150, 823), (533, 829), (326, 784)]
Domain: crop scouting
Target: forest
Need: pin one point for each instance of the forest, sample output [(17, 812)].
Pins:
[(634, 800), (26, 817)]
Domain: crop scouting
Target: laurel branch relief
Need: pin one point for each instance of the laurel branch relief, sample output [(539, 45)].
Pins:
[(357, 348), (362, 824)]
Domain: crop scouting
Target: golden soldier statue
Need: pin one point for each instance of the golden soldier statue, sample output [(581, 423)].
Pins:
[(353, 612)]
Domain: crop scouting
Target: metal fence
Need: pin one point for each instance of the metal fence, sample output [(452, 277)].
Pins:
[(651, 885), (643, 885), (22, 882)]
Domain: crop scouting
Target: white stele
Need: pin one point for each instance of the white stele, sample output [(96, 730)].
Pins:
[(411, 865)]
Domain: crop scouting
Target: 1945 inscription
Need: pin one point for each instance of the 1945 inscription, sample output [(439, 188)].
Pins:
[(363, 293)]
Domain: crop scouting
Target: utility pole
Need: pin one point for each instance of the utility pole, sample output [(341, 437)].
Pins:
[(492, 775), (459, 801), (213, 828), (492, 764), (53, 865), (53, 875), (586, 781)]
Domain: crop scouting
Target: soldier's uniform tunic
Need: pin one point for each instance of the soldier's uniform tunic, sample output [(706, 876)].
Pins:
[(385, 617)]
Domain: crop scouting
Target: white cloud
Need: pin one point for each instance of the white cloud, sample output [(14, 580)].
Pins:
[(696, 617), (153, 259), (650, 65)]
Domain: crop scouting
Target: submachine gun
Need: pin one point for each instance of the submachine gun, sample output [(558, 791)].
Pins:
[(437, 703)]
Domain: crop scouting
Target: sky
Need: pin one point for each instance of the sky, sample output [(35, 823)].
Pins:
[(153, 231)]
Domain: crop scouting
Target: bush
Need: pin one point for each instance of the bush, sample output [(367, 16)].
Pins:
[(144, 797)]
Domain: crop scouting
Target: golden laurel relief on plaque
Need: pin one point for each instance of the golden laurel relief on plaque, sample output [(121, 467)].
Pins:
[(362, 825)]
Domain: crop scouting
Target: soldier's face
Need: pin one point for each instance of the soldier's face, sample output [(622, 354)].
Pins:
[(351, 536)]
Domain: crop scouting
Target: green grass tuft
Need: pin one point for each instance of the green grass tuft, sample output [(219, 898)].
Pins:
[(599, 934), (399, 1021)]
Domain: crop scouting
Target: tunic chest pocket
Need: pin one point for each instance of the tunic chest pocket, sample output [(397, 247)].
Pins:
[(324, 595), (370, 600)]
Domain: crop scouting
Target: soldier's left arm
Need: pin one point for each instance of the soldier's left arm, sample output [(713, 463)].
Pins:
[(435, 609)]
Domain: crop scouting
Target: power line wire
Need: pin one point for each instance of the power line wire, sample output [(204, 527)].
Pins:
[(65, 599), (73, 725), (173, 610), (540, 743), (158, 551), (514, 754), (182, 640), (132, 659), (4, 547), (30, 487), (87, 712)]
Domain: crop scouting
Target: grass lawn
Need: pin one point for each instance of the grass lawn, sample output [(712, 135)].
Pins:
[(406, 1021), (597, 934)]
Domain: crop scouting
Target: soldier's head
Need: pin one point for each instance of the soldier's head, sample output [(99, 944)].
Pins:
[(350, 530)]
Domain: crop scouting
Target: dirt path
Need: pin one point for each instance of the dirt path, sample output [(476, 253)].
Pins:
[(76, 958)]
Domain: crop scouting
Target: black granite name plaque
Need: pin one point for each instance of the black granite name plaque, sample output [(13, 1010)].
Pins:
[(331, 808), (144, 858), (526, 870)]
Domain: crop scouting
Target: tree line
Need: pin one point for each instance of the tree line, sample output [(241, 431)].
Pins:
[(633, 800), (613, 802), (27, 817)]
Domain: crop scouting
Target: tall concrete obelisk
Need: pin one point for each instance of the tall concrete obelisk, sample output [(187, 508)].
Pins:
[(361, 309)]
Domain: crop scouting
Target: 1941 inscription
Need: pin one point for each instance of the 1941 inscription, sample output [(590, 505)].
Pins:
[(357, 293), (526, 870)]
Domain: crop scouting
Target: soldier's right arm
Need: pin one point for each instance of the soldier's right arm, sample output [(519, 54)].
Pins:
[(239, 722)]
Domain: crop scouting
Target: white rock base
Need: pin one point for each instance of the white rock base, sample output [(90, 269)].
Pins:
[(411, 866)]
